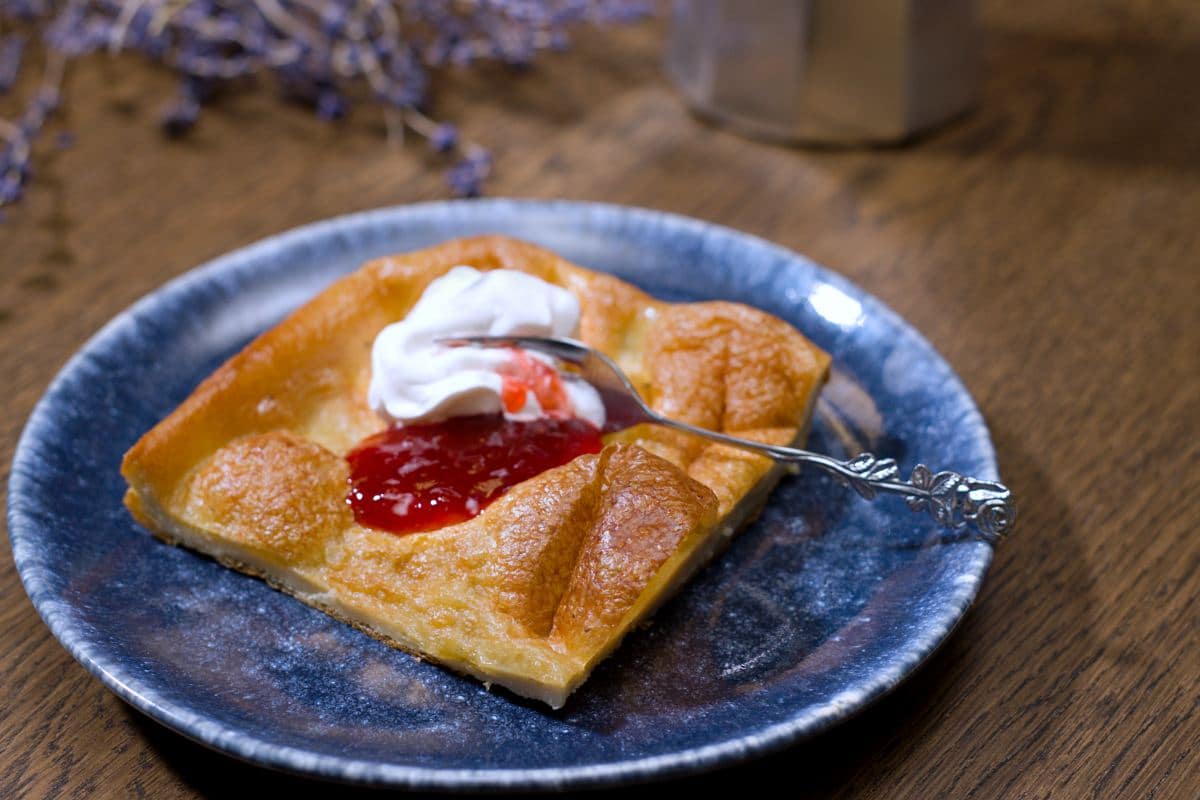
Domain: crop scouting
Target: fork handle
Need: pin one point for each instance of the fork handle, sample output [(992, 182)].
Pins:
[(953, 500)]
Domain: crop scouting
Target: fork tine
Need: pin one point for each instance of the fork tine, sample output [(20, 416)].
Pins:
[(564, 349)]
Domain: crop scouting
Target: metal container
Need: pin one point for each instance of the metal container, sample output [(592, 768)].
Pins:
[(825, 71)]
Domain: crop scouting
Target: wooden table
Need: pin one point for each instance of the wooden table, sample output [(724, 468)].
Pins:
[(1048, 245)]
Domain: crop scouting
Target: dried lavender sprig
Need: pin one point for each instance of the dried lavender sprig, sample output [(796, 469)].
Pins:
[(442, 137), (317, 49), (466, 177), (15, 158), (11, 48)]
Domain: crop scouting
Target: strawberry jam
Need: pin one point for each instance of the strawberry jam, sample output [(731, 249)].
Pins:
[(525, 375), (423, 477)]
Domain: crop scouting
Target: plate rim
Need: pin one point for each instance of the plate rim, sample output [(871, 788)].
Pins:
[(22, 532)]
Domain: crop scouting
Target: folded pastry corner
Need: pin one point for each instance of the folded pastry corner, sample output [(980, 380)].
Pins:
[(543, 583)]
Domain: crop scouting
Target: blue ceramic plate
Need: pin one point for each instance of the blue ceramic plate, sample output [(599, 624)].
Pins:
[(823, 605)]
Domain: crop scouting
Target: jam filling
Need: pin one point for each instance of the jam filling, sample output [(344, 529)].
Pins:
[(423, 477)]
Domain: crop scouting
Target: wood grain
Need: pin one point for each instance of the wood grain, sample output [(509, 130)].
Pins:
[(1048, 244)]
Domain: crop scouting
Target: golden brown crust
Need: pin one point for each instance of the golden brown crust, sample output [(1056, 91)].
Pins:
[(539, 532), (644, 510), (728, 367), (537, 588), (275, 493)]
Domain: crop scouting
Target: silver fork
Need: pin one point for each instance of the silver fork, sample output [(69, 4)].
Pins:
[(952, 499)]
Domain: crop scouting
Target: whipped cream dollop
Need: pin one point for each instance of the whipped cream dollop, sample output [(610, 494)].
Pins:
[(416, 380)]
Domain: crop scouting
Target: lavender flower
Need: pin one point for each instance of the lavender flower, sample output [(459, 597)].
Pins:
[(467, 176), (10, 188), (180, 117), (444, 138), (317, 51), (11, 48), (331, 104)]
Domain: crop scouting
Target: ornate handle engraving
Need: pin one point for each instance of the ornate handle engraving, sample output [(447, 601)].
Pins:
[(864, 471), (953, 500)]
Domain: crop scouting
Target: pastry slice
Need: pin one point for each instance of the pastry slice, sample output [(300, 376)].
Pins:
[(541, 584)]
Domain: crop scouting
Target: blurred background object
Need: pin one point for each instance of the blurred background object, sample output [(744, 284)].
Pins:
[(325, 54), (825, 71)]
